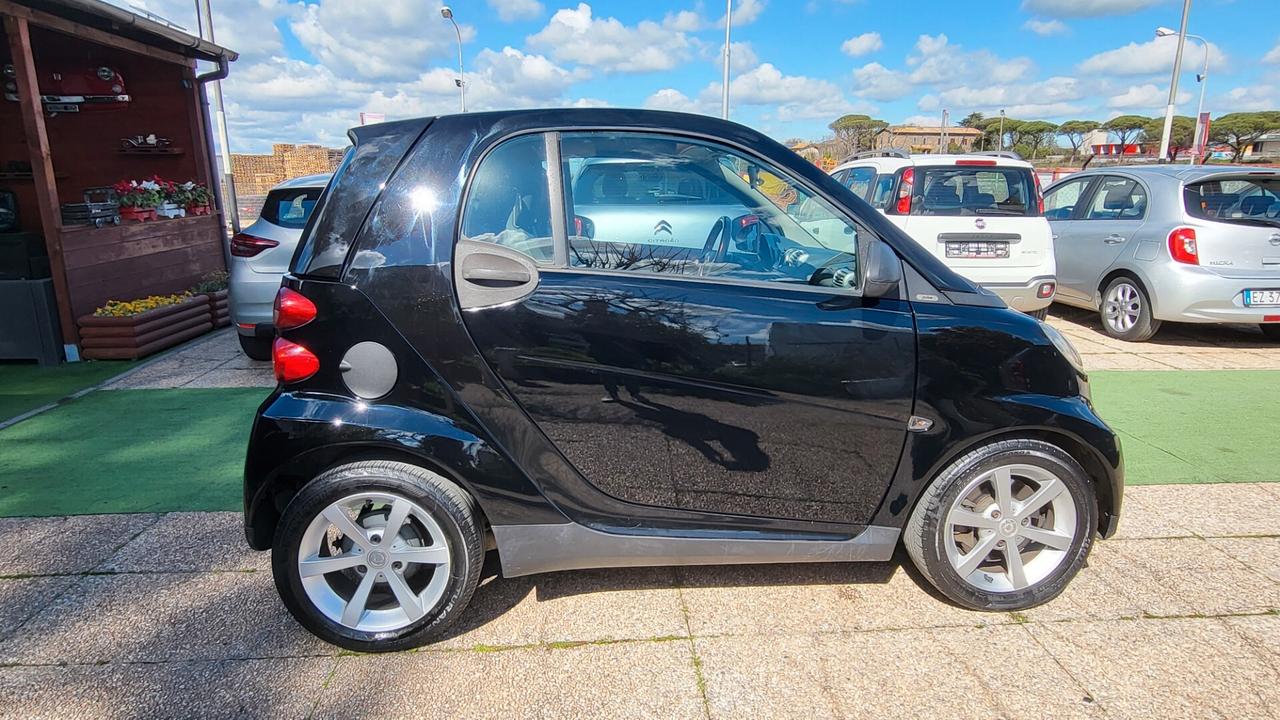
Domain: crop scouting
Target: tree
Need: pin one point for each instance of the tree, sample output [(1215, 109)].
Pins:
[(854, 132), (1240, 130), (1126, 128), (1035, 134), (1075, 131), (973, 120), (1181, 135)]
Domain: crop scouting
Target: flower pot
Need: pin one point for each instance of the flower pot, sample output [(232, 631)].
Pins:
[(136, 336), (134, 214), (170, 210), (198, 209)]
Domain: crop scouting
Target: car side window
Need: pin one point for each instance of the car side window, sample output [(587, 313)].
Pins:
[(1060, 203), (882, 193), (1118, 198), (667, 205), (859, 180), (508, 203)]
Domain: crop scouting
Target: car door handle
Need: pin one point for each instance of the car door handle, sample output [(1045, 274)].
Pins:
[(1113, 239), (485, 275), (1055, 236)]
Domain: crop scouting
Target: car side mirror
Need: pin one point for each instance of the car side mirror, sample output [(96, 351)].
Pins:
[(882, 270)]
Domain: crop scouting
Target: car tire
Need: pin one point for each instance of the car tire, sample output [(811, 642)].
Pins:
[(1040, 314), (255, 348), (1270, 331), (936, 538), (1126, 311), (439, 546)]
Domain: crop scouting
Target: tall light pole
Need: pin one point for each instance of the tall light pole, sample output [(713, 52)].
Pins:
[(1001, 130), (447, 14), (1173, 83), (942, 141), (1203, 79), (724, 93)]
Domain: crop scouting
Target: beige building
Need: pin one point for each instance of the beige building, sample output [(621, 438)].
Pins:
[(926, 139), (256, 174)]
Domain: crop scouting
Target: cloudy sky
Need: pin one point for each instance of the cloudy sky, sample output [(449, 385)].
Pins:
[(307, 69)]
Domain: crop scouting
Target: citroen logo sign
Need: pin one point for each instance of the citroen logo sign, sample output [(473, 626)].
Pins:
[(662, 226), (980, 223)]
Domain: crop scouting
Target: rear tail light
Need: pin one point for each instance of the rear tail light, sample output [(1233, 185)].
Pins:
[(975, 162), (904, 191), (747, 221), (1045, 290), (246, 245), (292, 310), (292, 362), (1182, 246), (1035, 177), (583, 227)]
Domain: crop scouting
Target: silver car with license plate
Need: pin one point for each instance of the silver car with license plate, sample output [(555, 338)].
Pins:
[(1150, 243)]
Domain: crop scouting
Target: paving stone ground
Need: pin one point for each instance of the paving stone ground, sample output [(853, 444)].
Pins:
[(151, 615)]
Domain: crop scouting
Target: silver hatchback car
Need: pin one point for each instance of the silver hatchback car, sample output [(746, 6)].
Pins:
[(260, 256), (1147, 243)]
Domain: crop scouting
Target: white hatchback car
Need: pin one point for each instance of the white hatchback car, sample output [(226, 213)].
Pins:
[(982, 214), (260, 256)]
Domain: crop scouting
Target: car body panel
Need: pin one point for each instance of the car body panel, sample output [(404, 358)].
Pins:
[(467, 406), (1233, 257)]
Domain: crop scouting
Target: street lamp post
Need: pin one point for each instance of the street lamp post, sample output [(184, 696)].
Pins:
[(724, 91), (1203, 79), (447, 14), (1002, 130), (1173, 83)]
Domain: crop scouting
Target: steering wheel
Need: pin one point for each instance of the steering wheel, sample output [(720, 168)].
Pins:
[(711, 251), (820, 273)]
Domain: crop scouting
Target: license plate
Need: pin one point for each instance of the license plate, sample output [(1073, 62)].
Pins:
[(977, 249), (1261, 298)]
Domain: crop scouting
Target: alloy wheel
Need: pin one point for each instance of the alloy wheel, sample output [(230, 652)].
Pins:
[(374, 562), (1122, 307), (1010, 528)]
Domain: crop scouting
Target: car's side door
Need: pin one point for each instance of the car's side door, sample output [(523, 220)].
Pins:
[(744, 377), (1113, 213), (1063, 207)]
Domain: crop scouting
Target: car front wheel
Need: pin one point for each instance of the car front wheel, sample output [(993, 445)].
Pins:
[(378, 556), (1005, 527)]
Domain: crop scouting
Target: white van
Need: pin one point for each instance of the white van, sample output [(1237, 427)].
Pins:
[(982, 214)]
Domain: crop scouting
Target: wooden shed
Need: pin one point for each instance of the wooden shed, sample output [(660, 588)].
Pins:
[(95, 95)]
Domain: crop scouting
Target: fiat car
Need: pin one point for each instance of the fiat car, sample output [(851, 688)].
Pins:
[(613, 338)]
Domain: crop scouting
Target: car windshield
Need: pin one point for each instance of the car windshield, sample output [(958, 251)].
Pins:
[(960, 190), (1247, 201), (290, 208)]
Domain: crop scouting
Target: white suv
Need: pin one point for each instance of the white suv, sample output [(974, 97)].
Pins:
[(982, 214)]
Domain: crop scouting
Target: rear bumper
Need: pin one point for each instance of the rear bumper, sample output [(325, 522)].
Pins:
[(1023, 296), (1200, 295), (253, 297)]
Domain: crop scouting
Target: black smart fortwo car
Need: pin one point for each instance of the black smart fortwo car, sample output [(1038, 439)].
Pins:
[(608, 338)]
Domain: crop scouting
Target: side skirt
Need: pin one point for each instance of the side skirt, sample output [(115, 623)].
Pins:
[(530, 549)]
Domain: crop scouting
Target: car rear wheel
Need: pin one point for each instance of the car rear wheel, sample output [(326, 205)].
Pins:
[(1126, 311), (1005, 527), (1270, 331), (256, 348), (1040, 314), (378, 556)]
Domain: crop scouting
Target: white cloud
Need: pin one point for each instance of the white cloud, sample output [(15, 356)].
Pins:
[(938, 62), (576, 36), (1045, 28), (512, 10), (877, 82), (1153, 56), (1273, 55), (1262, 95), (374, 40), (745, 12), (766, 85), (246, 26), (672, 99), (1087, 8), (862, 44), (923, 120), (683, 21), (1147, 96)]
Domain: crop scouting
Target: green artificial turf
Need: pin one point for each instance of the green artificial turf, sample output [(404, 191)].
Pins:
[(1195, 426), (165, 450), (26, 386), (129, 451)]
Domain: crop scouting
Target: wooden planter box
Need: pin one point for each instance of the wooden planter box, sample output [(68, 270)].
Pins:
[(220, 308), (136, 336)]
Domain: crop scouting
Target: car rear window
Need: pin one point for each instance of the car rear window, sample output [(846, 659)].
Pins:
[(1252, 200), (290, 208), (627, 182), (948, 190)]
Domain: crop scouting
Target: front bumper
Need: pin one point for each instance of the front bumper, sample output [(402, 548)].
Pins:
[(1196, 294), (1024, 296)]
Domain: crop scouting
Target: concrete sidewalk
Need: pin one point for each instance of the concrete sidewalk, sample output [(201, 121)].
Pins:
[(171, 615)]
